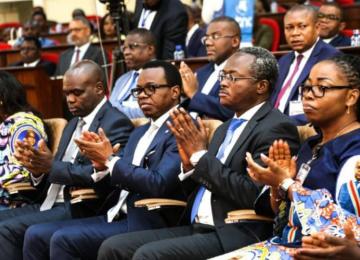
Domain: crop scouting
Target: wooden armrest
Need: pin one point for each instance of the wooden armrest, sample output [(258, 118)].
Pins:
[(245, 214), (81, 195), (156, 203), (15, 188)]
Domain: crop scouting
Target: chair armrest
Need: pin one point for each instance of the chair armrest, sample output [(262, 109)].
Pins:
[(156, 203), (19, 187), (80, 195), (245, 214)]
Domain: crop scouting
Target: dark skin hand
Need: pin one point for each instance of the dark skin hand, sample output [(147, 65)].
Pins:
[(96, 147), (189, 137), (324, 246), (37, 161)]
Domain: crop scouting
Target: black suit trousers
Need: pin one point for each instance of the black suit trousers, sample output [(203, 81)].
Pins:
[(185, 242), (14, 222)]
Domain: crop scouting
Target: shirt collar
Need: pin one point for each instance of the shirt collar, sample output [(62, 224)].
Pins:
[(220, 67), (328, 40), (90, 117), (83, 47), (161, 120), (32, 64), (250, 113), (306, 54)]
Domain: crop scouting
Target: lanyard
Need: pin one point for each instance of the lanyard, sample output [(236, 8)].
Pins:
[(305, 167), (144, 18)]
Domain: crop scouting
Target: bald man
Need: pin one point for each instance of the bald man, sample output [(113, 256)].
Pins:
[(85, 96)]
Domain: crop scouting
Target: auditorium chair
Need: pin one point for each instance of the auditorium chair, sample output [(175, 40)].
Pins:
[(55, 127), (276, 31)]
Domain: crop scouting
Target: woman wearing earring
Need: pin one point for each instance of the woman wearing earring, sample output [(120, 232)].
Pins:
[(17, 122), (304, 190)]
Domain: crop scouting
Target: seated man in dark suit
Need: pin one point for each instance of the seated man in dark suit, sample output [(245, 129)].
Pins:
[(85, 95), (331, 22), (80, 32), (30, 52), (221, 40), (301, 33), (148, 167), (220, 170)]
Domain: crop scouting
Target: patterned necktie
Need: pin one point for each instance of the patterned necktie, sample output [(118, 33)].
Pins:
[(234, 124), (69, 155), (287, 85), (77, 55)]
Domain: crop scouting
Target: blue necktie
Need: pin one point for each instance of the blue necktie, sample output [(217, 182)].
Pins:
[(126, 93), (234, 124)]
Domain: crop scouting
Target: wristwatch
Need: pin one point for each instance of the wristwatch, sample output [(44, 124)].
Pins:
[(284, 187)]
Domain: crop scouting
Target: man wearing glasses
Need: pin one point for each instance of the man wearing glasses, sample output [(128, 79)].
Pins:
[(79, 33), (302, 34), (139, 48), (331, 22), (222, 39), (146, 168), (218, 170)]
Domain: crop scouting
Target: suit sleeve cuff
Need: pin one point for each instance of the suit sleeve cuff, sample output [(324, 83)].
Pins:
[(110, 164), (195, 157)]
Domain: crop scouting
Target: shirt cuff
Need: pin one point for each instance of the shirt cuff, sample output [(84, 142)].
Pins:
[(110, 164), (184, 175), (36, 180), (99, 175), (195, 157)]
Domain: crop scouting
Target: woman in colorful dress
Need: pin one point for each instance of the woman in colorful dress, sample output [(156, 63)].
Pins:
[(304, 191), (17, 122)]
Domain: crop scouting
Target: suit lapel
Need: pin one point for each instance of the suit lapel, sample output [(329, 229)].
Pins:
[(265, 109), (158, 137), (131, 146)]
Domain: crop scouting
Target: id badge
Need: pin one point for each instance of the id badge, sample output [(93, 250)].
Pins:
[(295, 108), (303, 172)]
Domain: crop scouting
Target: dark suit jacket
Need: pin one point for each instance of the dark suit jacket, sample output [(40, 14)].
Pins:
[(116, 126), (169, 26), (340, 40), (156, 177), (48, 66), (321, 52), (208, 105), (195, 48), (93, 53), (229, 183)]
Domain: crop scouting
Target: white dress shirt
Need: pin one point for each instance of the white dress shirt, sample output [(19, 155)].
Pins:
[(190, 33), (82, 49), (306, 56), (146, 18), (204, 215), (32, 64)]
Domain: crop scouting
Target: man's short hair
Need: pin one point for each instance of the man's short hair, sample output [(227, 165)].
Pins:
[(172, 74), (264, 67), (147, 36), (307, 8), (33, 39), (234, 24), (39, 13), (337, 6), (83, 20)]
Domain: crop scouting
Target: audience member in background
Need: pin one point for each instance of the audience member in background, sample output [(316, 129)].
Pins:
[(222, 39), (147, 167), (139, 48), (80, 32), (17, 119), (194, 46), (263, 34), (303, 190), (40, 19), (32, 28), (107, 28), (167, 20), (30, 52), (218, 172), (78, 12), (85, 95), (301, 33), (331, 22)]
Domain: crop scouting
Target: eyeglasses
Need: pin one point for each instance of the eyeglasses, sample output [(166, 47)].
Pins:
[(215, 37), (133, 46), (28, 48), (318, 90), (331, 17), (223, 76), (76, 29), (148, 89)]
